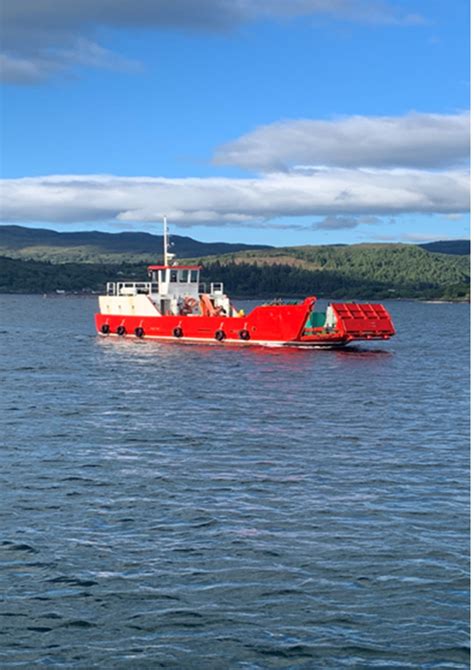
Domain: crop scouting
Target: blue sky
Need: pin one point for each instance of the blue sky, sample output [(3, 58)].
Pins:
[(207, 115)]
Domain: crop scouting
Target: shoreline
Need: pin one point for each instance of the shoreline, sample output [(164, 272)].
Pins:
[(263, 297)]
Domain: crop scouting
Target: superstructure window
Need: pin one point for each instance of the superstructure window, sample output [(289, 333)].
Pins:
[(183, 276), (173, 275), (162, 276), (194, 276)]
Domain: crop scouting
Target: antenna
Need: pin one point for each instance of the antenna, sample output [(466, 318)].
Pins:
[(167, 257)]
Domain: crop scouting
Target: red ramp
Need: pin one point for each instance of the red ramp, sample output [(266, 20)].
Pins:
[(363, 320)]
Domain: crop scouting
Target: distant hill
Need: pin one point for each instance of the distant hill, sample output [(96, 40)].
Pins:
[(97, 247), (35, 260), (89, 247), (359, 270), (456, 247), (365, 271)]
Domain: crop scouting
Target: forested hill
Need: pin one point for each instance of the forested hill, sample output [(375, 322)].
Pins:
[(97, 247), (368, 271), (361, 270)]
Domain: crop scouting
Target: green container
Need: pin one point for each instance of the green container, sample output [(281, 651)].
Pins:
[(316, 320)]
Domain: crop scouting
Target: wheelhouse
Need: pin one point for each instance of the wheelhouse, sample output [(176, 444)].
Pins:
[(175, 280), (173, 290)]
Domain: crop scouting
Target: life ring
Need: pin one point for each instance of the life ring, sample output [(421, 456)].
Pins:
[(244, 334), (189, 304), (178, 332), (139, 332), (220, 335), (121, 330), (105, 329)]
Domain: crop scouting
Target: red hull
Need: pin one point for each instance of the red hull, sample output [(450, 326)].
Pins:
[(265, 325)]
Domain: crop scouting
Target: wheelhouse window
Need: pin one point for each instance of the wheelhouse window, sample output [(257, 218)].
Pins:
[(162, 276), (194, 276), (173, 276), (183, 276)]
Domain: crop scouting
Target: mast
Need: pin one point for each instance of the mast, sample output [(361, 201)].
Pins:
[(165, 241)]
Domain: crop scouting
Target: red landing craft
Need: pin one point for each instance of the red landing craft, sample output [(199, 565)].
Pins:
[(174, 307)]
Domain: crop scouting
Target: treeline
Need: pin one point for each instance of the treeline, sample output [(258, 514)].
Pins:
[(18, 276), (255, 279), (395, 264), (398, 265), (288, 280), (358, 271)]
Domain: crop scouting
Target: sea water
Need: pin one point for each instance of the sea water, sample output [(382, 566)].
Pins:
[(183, 506)]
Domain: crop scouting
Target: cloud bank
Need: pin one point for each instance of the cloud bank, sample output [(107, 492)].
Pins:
[(357, 184), (41, 37), (414, 140), (211, 201)]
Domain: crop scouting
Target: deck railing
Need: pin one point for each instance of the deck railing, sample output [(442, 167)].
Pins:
[(148, 287), (132, 288)]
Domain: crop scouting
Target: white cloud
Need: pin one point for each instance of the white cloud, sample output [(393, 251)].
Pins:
[(454, 217), (366, 11), (35, 33), (414, 237), (88, 53), (24, 70), (36, 68), (414, 140), (339, 192), (334, 222), (422, 237)]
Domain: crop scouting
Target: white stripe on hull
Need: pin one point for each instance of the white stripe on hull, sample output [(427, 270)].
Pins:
[(227, 340), (197, 340)]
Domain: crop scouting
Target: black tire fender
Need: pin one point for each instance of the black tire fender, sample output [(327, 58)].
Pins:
[(178, 332), (244, 334), (105, 329), (121, 330), (219, 335), (139, 332)]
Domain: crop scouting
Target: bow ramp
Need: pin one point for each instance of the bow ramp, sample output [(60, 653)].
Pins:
[(363, 320)]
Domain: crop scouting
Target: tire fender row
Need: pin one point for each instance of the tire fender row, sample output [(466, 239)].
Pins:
[(220, 334)]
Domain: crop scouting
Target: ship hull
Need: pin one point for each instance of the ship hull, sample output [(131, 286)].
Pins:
[(267, 325)]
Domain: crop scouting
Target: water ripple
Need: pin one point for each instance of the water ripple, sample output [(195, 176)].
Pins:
[(202, 507)]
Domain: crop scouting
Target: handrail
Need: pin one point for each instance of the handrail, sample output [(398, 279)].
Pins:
[(131, 288), (146, 288)]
